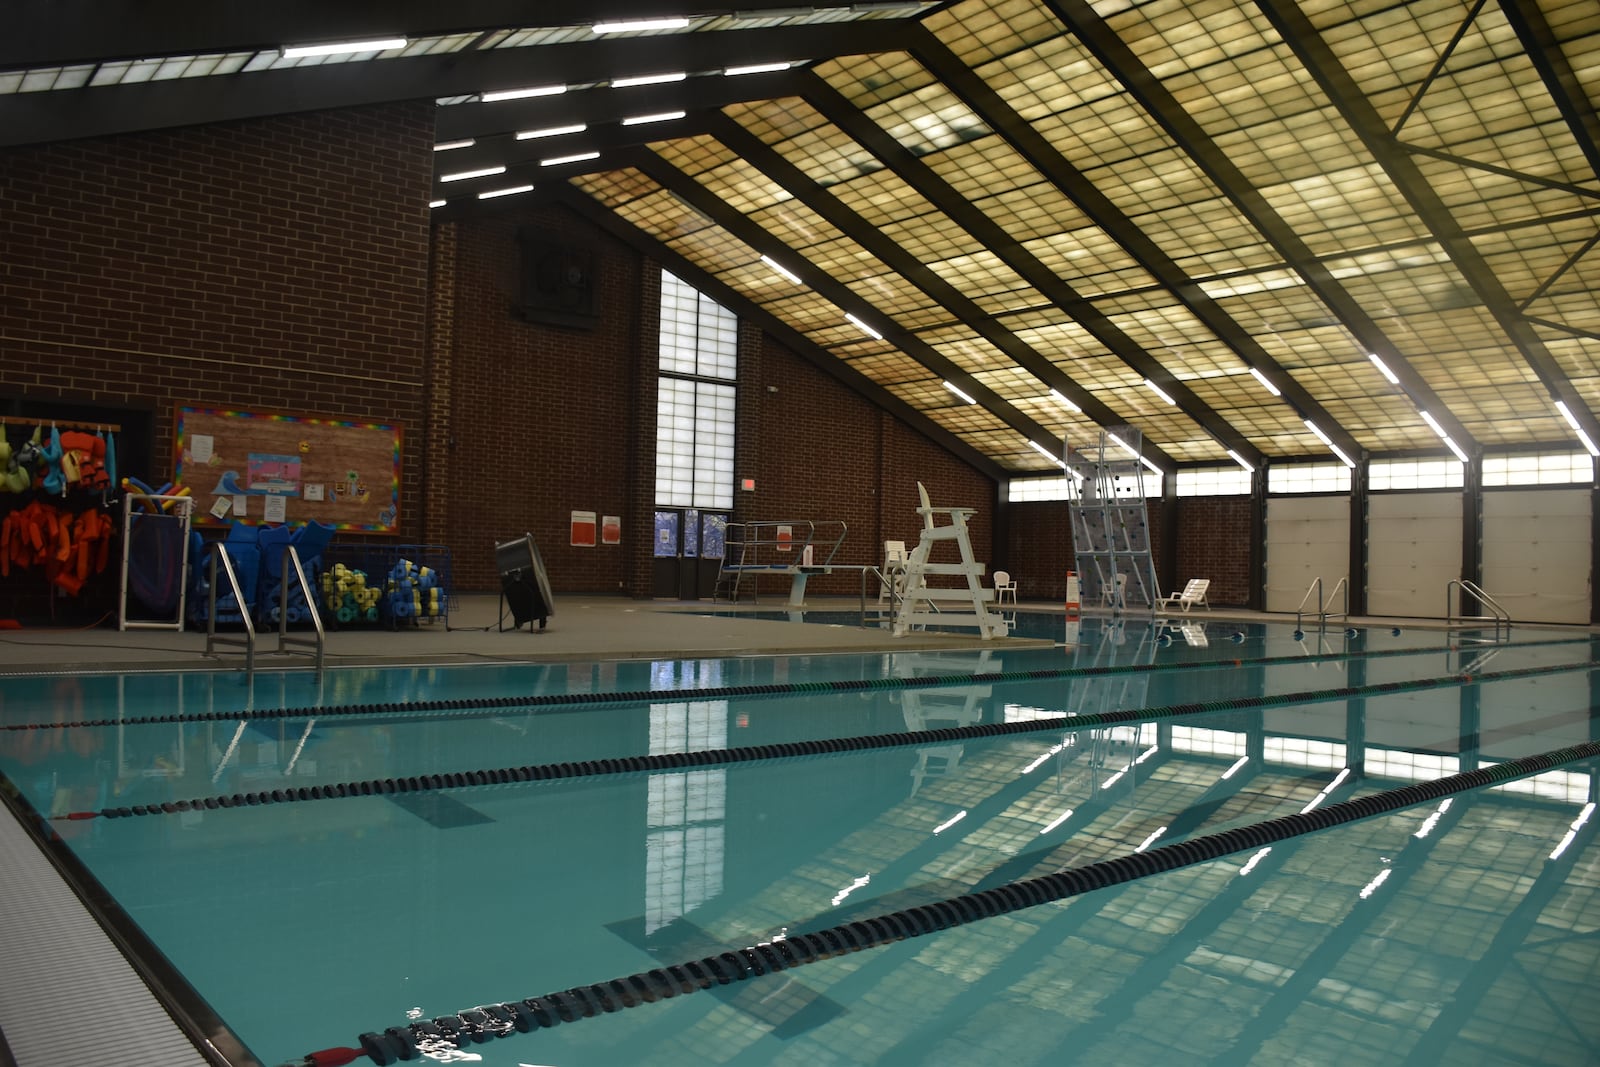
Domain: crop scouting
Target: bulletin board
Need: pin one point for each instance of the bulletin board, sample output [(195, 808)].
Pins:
[(262, 466)]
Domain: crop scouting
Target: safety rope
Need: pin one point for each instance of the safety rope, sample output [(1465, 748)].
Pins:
[(487, 1022), (493, 705), (672, 761)]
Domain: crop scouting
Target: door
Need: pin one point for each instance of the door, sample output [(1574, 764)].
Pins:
[(688, 553)]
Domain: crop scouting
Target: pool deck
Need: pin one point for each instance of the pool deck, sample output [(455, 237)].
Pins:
[(583, 628)]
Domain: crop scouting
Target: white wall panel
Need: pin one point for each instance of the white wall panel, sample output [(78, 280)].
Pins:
[(1413, 551), (1307, 537), (1536, 553)]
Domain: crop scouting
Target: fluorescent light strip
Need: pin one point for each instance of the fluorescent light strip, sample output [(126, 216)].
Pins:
[(579, 157), (1433, 424), (672, 23), (868, 330), (1372, 886), (507, 191), (1384, 367), (1572, 421), (1046, 453), (552, 131), (1063, 401), (1240, 460), (838, 898), (1162, 393), (447, 146), (1238, 765), (1148, 462), (648, 79), (781, 269), (950, 386), (1572, 832), (522, 94), (957, 817), (1335, 449), (759, 68), (1057, 821), (1120, 443), (1147, 842), (1266, 383), (437, 203), (1257, 858), (300, 51), (463, 175), (660, 116)]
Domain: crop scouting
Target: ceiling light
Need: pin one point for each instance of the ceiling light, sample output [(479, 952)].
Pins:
[(648, 79), (1325, 439), (522, 94), (447, 146), (300, 51), (462, 175), (1156, 389), (781, 269), (1384, 367), (868, 330), (1241, 461), (1148, 462), (660, 116), (671, 23), (507, 191), (1433, 424), (1046, 453), (576, 157), (1063, 401), (1266, 383), (759, 68), (437, 203), (551, 131), (950, 386), (1572, 421)]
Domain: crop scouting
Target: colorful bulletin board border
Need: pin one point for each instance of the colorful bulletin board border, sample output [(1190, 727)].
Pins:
[(264, 466)]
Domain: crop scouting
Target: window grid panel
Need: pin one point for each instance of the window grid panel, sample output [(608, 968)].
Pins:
[(1539, 468), (1214, 481), (1308, 478), (1415, 474)]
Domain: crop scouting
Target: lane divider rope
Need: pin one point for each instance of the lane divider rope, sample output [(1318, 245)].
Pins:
[(672, 761), (646, 696), (488, 1022)]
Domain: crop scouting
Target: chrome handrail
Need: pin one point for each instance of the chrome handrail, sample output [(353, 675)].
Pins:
[(1497, 612), (248, 641), (316, 644), (1299, 612), (1322, 613)]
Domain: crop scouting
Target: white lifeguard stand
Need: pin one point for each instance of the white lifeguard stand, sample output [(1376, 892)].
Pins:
[(919, 605)]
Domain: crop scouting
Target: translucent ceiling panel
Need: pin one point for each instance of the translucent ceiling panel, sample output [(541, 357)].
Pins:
[(613, 187), (961, 346), (887, 368), (979, 30), (1347, 207), (1478, 198)]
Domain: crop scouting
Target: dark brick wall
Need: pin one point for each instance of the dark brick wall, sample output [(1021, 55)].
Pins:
[(1214, 542), (544, 420), (279, 264)]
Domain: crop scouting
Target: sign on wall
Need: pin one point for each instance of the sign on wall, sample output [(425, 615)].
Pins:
[(259, 466)]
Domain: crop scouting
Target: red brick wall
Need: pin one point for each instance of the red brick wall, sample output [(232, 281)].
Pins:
[(1214, 542), (545, 420), (275, 264)]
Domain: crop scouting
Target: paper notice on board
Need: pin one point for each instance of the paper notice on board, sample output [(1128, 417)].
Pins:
[(274, 508), (221, 508), (241, 506), (313, 491), (201, 447)]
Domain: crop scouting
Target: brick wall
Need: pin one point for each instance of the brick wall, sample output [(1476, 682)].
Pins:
[(1214, 542), (275, 264)]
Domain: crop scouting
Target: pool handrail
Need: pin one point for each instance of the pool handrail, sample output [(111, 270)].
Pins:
[(1322, 613), (317, 643), (248, 641), (1497, 612)]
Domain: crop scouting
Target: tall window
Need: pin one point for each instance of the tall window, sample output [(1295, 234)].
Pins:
[(695, 399)]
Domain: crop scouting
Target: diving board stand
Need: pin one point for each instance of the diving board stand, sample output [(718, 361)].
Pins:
[(919, 604), (787, 547)]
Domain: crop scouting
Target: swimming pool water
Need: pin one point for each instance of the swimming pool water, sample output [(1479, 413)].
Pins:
[(304, 924)]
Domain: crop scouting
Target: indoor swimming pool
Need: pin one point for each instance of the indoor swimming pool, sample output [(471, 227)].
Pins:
[(1365, 847)]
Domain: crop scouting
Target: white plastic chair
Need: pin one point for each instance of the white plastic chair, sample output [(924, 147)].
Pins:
[(1193, 593), (1004, 587)]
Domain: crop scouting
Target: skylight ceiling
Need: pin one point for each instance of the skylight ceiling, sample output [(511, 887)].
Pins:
[(1201, 218)]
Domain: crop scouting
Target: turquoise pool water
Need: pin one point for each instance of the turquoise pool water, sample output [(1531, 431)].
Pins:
[(1459, 930)]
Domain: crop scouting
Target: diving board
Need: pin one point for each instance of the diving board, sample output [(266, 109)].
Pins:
[(786, 547)]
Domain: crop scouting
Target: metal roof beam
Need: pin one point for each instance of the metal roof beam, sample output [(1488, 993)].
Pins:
[(1102, 41), (1565, 88), (27, 118), (761, 241), (770, 162), (1308, 45), (1038, 151), (59, 32), (783, 333), (921, 177)]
